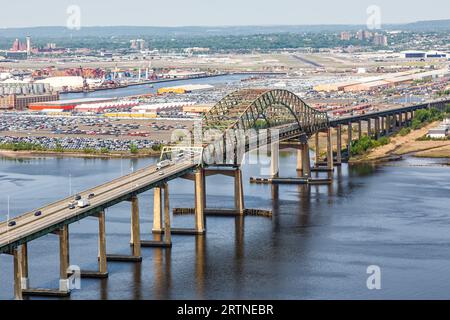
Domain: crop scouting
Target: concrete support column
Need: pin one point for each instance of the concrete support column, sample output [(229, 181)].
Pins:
[(199, 201), (350, 138), (299, 160), (157, 210), (239, 192), (102, 265), (377, 128), (17, 274), (400, 119), (63, 258), (369, 128), (388, 124), (382, 127), (317, 149), (167, 227), (339, 144), (24, 260), (135, 227), (275, 159), (330, 155), (306, 160), (360, 133)]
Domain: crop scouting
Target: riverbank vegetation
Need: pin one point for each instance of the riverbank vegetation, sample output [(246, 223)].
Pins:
[(21, 147), (367, 143), (411, 138)]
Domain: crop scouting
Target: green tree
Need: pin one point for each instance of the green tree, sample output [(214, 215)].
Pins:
[(134, 149)]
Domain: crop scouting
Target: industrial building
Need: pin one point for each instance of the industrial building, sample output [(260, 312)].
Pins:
[(382, 82), (424, 55), (66, 105), (18, 95), (61, 83), (441, 132), (104, 106), (162, 107)]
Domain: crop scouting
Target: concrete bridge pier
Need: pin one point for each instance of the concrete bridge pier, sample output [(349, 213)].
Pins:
[(157, 211), (239, 192), (388, 124), (135, 227), (317, 150), (161, 219), (339, 145), (350, 139), (200, 201), (135, 241), (17, 274), (25, 282), (64, 259), (330, 154), (102, 264), (21, 274), (306, 160), (360, 131), (299, 160), (369, 128), (274, 159), (377, 128)]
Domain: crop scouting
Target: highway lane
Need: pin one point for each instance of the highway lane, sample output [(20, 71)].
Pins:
[(62, 204), (111, 192)]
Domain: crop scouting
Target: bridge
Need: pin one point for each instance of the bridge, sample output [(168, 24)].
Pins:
[(241, 122)]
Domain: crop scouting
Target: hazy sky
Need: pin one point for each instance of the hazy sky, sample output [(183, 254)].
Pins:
[(27, 13)]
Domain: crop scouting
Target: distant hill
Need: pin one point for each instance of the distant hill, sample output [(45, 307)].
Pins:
[(432, 25), (136, 31)]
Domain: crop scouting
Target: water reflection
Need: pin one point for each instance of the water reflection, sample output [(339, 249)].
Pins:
[(317, 245)]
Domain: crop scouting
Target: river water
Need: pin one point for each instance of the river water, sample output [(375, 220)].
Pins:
[(317, 246), (147, 89)]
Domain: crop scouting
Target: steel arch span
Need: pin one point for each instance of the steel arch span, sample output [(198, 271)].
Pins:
[(264, 109), (249, 119)]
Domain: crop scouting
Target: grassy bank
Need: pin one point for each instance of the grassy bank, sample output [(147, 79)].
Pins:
[(22, 149), (409, 140)]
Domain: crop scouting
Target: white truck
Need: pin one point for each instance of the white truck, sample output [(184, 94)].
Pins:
[(163, 164), (83, 203)]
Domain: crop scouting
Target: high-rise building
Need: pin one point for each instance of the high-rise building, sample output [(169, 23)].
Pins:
[(19, 46), (16, 45), (137, 44), (345, 36), (380, 40), (29, 45), (364, 35), (141, 44)]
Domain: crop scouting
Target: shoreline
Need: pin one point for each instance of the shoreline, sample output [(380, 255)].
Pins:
[(400, 146), (73, 154)]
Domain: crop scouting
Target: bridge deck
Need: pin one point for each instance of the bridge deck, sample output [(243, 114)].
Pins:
[(29, 227)]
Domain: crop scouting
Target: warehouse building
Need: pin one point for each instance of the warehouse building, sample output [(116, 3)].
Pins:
[(162, 107), (66, 105)]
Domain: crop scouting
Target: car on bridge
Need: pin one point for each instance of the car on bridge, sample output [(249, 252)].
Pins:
[(163, 164)]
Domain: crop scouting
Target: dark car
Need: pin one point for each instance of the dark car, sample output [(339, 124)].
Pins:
[(92, 195), (11, 224), (38, 213), (71, 206), (77, 197)]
